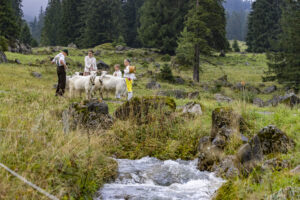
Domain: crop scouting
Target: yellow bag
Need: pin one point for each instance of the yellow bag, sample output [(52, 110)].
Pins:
[(132, 69)]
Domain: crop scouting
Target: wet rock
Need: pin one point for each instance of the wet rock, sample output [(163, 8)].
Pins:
[(72, 45), (178, 94), (270, 89), (296, 170), (193, 95), (17, 61), (258, 102), (275, 164), (179, 80), (3, 58), (102, 65), (221, 98), (91, 115), (192, 108), (141, 110), (153, 85), (36, 75), (149, 60)]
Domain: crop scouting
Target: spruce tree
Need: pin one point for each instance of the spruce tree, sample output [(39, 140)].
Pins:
[(101, 22), (204, 32), (161, 22), (263, 26), (235, 46), (70, 21), (52, 24), (36, 26), (131, 16), (284, 66), (25, 35), (8, 21)]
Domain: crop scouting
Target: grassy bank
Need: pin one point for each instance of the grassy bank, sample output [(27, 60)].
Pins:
[(73, 166)]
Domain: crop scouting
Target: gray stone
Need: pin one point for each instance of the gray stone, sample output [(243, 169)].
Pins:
[(97, 53), (193, 95), (221, 98), (296, 170), (258, 102), (270, 89), (18, 47), (227, 168), (192, 108), (244, 139), (157, 65), (219, 141), (288, 99), (203, 143), (291, 193), (179, 94), (36, 75), (102, 65), (275, 164), (179, 80), (153, 85), (17, 61), (3, 58), (72, 45)]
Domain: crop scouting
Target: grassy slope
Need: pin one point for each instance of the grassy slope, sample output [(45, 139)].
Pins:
[(33, 144)]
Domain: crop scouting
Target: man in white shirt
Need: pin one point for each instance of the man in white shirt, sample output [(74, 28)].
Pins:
[(90, 64), (61, 64), (129, 77)]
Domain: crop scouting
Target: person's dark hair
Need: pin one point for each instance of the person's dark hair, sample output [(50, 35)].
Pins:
[(128, 60), (66, 51), (91, 51)]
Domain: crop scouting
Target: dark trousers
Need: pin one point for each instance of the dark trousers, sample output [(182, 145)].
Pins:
[(61, 85)]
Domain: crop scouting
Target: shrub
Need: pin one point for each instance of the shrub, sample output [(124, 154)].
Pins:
[(235, 46), (3, 44), (166, 58), (166, 73)]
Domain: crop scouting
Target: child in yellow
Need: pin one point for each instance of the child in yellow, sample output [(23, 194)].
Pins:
[(129, 77)]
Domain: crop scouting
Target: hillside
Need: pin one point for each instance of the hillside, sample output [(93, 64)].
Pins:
[(77, 164)]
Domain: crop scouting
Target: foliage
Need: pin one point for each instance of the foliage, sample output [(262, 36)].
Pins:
[(284, 66), (36, 25), (8, 22), (3, 43), (25, 35), (235, 46), (166, 58), (264, 26), (161, 22), (166, 73)]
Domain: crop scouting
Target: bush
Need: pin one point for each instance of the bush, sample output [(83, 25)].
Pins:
[(235, 46), (3, 44), (166, 73), (166, 58)]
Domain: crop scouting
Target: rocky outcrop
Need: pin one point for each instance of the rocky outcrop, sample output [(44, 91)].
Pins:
[(102, 65), (259, 102), (192, 108), (193, 95), (92, 115), (144, 110), (72, 45), (18, 47), (296, 170), (3, 58), (270, 89), (289, 99)]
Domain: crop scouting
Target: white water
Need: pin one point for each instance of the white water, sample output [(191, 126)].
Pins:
[(152, 179)]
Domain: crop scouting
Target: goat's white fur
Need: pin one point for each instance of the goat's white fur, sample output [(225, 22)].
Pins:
[(109, 83), (82, 83)]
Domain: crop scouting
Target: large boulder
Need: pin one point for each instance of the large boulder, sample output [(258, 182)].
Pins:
[(227, 167), (92, 115), (289, 99), (192, 108), (72, 45), (18, 47), (3, 58), (144, 110), (258, 102), (102, 65)]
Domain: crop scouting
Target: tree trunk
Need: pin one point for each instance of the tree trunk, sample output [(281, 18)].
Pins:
[(196, 64)]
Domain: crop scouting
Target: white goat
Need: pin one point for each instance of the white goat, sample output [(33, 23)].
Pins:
[(82, 83), (109, 83)]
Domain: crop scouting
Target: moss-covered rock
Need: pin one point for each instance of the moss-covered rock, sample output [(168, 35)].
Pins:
[(145, 109)]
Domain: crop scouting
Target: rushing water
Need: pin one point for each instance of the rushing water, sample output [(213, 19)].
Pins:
[(152, 179)]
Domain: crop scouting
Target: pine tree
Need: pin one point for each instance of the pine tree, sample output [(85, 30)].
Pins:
[(284, 66), (264, 26), (161, 22), (70, 21), (101, 22), (36, 26), (25, 35), (52, 24), (8, 21), (204, 32)]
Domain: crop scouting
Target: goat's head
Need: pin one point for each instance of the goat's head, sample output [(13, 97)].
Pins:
[(92, 80)]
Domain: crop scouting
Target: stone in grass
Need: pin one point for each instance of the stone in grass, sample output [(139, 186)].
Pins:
[(258, 102), (221, 98), (192, 108), (286, 193), (142, 109), (17, 61), (153, 85), (3, 58), (36, 74), (270, 89), (178, 94), (193, 95), (296, 170)]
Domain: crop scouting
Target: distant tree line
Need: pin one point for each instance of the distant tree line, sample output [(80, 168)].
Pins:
[(12, 26)]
